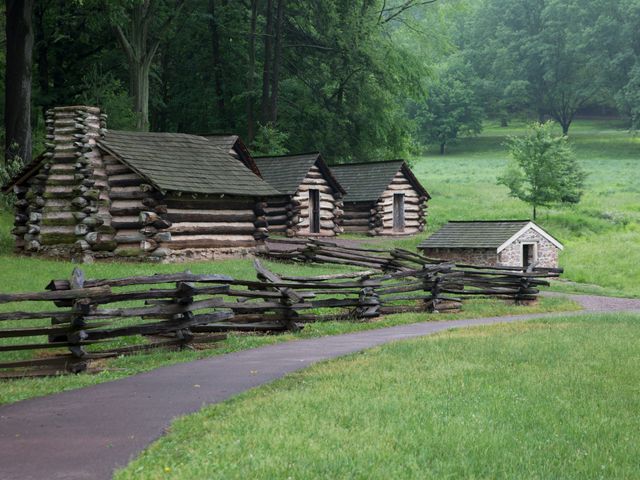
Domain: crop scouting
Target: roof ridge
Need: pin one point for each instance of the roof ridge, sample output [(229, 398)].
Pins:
[(489, 221), (367, 163), (288, 155)]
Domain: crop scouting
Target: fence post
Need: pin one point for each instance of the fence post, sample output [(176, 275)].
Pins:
[(368, 303), (184, 296), (76, 334)]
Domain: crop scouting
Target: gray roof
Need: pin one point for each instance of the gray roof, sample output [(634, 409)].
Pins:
[(185, 163), (286, 172), (478, 234), (366, 182), (222, 140)]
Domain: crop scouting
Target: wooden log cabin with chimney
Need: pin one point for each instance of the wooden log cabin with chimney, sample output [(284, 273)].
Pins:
[(99, 194), (383, 198), (311, 201)]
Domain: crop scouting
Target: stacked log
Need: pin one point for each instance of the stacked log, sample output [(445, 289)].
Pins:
[(358, 216), (330, 207), (21, 228), (414, 208), (214, 221), (138, 213)]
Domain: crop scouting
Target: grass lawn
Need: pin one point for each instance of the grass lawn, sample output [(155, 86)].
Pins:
[(541, 399)]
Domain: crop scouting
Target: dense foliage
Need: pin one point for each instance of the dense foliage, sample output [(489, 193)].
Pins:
[(357, 80)]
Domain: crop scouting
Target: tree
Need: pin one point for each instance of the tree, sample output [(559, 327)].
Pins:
[(451, 109), (544, 170), (551, 50), (140, 47), (19, 31)]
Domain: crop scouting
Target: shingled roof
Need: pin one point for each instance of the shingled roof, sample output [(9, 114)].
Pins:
[(286, 172), (367, 181), (481, 234), (185, 163), (235, 146)]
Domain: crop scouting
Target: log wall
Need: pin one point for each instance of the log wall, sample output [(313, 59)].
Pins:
[(63, 207), (376, 218), (331, 205), (414, 208), (211, 222)]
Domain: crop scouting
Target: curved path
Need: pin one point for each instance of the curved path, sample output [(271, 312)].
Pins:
[(89, 432)]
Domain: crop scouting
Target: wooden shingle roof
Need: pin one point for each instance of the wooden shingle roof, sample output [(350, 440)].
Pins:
[(286, 172), (184, 163), (495, 234), (366, 182)]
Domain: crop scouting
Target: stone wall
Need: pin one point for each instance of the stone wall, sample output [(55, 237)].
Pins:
[(464, 255), (547, 251)]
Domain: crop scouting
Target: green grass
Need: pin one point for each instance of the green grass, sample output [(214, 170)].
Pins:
[(601, 234), (541, 399)]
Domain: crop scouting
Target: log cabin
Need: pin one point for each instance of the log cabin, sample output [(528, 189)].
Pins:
[(383, 198), (311, 204), (505, 243), (164, 196)]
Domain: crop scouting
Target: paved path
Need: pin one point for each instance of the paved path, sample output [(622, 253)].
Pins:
[(87, 433)]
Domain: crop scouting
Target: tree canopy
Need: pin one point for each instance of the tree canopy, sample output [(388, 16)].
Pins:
[(357, 80)]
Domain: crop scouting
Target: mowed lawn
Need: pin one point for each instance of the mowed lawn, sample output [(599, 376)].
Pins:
[(541, 399), (601, 234)]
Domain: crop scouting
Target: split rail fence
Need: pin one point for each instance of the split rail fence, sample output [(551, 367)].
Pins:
[(84, 320)]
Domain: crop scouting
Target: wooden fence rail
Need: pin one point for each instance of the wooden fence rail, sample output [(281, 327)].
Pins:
[(82, 320)]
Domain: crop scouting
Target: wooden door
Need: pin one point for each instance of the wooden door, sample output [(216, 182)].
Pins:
[(398, 212), (314, 211)]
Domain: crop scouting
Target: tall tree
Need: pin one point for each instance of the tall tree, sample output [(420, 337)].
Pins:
[(140, 45), (19, 32), (251, 123)]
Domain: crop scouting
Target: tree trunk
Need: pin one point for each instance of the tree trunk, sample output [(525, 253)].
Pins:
[(217, 61), (534, 212), (250, 76), (443, 147), (140, 54), (277, 60), (42, 54), (19, 48), (266, 70)]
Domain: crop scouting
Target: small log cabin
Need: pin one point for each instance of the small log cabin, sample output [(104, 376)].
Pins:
[(507, 243), (383, 198), (97, 194), (311, 203)]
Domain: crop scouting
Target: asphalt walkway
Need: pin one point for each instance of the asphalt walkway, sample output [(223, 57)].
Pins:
[(89, 432)]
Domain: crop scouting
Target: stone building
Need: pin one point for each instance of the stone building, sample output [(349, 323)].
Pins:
[(509, 243), (383, 198), (101, 194)]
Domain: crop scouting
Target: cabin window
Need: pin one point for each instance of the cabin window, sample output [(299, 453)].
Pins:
[(314, 211), (398, 212), (529, 254)]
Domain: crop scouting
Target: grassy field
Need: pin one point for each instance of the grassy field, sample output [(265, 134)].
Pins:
[(601, 235), (541, 399)]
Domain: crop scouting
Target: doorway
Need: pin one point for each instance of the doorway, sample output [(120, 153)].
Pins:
[(314, 211), (398, 212), (528, 255)]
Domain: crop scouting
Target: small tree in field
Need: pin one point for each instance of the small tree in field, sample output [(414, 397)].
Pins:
[(544, 170)]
